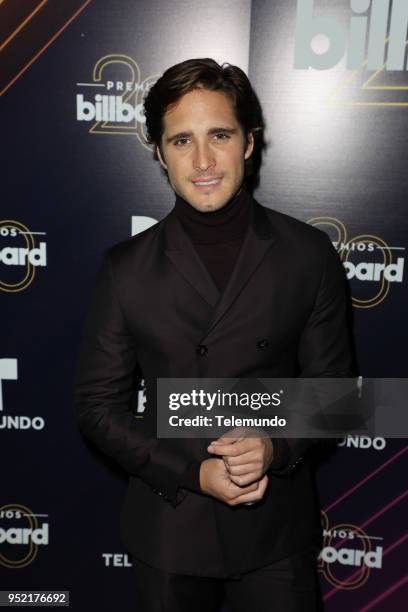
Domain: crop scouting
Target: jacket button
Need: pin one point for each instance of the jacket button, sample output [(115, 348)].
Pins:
[(262, 344), (202, 350)]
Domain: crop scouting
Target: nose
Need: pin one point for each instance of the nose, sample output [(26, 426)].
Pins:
[(203, 157)]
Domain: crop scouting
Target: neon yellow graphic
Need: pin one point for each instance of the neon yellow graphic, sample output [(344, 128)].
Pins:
[(376, 82), (133, 97), (345, 254), (360, 575), (32, 548), (30, 269)]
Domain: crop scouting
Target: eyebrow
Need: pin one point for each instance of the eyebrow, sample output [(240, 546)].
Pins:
[(211, 131)]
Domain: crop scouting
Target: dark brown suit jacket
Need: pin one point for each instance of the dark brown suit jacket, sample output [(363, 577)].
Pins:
[(153, 305)]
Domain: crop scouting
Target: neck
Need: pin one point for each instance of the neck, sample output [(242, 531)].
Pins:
[(222, 225)]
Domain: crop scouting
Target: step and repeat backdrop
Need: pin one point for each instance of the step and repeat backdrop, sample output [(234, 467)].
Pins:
[(78, 177)]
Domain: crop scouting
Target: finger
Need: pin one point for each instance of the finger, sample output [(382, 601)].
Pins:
[(248, 479), (237, 448), (237, 434), (235, 491), (251, 457), (223, 443), (255, 440), (232, 435), (252, 496), (242, 470)]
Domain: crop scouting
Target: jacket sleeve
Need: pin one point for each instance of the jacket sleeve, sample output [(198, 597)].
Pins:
[(104, 387), (191, 477), (324, 347)]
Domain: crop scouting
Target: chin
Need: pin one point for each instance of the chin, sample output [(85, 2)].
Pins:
[(202, 206), (210, 204)]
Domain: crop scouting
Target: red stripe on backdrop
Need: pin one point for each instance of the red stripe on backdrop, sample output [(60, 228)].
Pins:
[(390, 548), (41, 51), (366, 479), (376, 515), (385, 594)]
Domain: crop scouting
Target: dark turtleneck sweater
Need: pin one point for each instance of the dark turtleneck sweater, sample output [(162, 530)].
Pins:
[(217, 237)]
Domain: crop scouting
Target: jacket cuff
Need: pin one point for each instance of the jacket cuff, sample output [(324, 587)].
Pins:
[(191, 477), (162, 470), (281, 454)]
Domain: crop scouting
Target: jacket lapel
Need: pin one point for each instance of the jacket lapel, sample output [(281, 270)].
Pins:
[(180, 250), (258, 240)]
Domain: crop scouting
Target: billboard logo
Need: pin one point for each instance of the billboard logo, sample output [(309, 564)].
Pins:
[(370, 263), (9, 371), (369, 271), (20, 256), (117, 107), (352, 556), (21, 534), (346, 546), (108, 108), (370, 19)]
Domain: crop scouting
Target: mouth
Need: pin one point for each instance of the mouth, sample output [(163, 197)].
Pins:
[(207, 184)]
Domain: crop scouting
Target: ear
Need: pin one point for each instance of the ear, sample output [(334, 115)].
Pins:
[(250, 145), (160, 158)]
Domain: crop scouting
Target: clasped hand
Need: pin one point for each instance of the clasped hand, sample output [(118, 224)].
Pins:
[(239, 475)]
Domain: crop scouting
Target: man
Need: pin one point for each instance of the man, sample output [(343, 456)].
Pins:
[(222, 287)]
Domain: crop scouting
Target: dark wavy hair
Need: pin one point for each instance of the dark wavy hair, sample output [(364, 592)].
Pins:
[(205, 73)]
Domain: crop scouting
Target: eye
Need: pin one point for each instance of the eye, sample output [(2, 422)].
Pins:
[(180, 142), (220, 136)]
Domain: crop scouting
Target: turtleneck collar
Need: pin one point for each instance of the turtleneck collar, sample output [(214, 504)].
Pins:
[(223, 225)]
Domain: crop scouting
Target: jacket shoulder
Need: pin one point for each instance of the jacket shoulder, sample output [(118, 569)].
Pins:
[(294, 230), (127, 249)]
